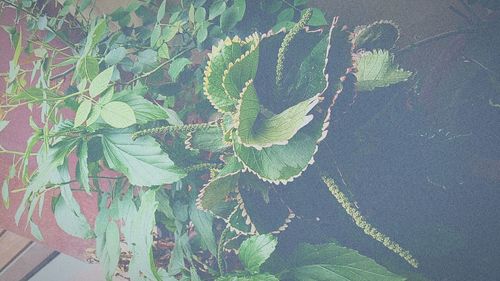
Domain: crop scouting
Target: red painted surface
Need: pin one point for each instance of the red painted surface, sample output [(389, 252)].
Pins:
[(14, 138)]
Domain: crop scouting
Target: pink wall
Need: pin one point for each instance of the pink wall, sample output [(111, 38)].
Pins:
[(14, 138)]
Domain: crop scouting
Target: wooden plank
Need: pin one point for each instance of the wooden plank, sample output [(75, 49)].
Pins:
[(10, 246), (28, 263)]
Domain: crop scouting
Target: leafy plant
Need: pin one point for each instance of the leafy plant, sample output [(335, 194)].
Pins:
[(133, 80)]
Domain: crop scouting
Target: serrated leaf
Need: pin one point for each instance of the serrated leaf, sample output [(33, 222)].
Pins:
[(101, 82), (378, 35), (259, 199), (332, 262), (283, 163), (211, 139), (142, 160), (377, 69), (255, 251), (177, 66), (240, 71), (257, 277), (257, 131), (216, 9), (226, 52), (213, 196), (118, 114), (115, 56), (82, 112)]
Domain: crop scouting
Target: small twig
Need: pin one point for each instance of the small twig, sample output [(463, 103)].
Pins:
[(438, 37), (146, 74), (36, 16), (62, 74)]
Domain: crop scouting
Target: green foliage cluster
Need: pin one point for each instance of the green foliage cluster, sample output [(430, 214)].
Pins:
[(135, 80)]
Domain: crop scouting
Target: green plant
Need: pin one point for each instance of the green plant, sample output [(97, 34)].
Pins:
[(135, 90)]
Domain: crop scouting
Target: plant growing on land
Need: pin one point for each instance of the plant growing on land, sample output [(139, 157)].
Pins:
[(274, 94)]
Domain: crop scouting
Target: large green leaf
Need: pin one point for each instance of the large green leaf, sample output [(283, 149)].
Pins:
[(209, 139), (110, 255), (140, 241), (144, 110), (67, 210), (283, 163), (118, 114), (101, 82), (142, 160), (82, 112), (332, 262), (258, 199), (256, 250), (213, 196), (378, 35), (377, 69), (239, 72), (223, 54), (203, 224), (48, 162), (257, 131)]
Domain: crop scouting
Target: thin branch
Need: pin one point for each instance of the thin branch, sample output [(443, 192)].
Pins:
[(36, 16), (438, 37), (146, 74)]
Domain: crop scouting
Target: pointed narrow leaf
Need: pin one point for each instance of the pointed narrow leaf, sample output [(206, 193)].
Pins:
[(112, 250), (82, 112), (83, 169), (35, 231), (101, 82), (142, 160), (118, 114), (141, 240), (177, 66)]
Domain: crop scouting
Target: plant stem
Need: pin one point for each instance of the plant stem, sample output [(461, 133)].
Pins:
[(438, 37), (146, 74)]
